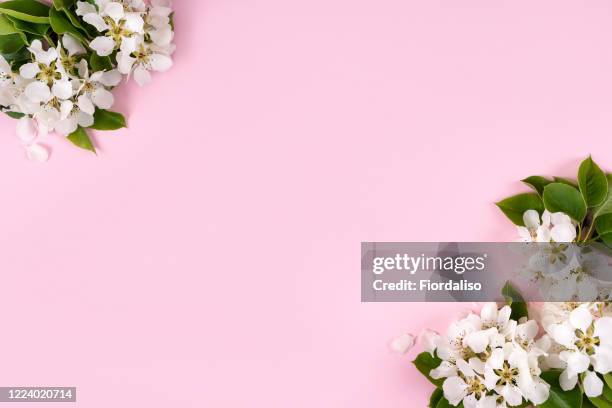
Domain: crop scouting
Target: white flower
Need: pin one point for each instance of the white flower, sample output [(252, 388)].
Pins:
[(587, 342), (71, 117), (93, 88), (70, 50), (115, 22), (50, 78), (557, 227), (139, 58), (402, 344), (6, 74), (157, 23)]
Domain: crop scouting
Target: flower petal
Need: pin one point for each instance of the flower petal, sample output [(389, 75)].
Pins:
[(134, 23), (531, 219), (102, 98), (429, 340), (62, 89), (455, 389), (96, 20), (73, 45), (593, 386), (114, 10), (142, 76), (84, 7), (581, 317), (86, 105), (563, 233), (29, 70), (36, 152), (160, 62), (38, 92), (402, 344), (566, 381), (26, 130), (110, 78), (103, 46)]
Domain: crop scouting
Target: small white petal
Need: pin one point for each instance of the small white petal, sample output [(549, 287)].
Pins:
[(85, 120), (477, 341), (162, 36), (581, 317), (73, 45), (429, 340), (103, 46), (134, 23), (512, 394), (84, 7), (66, 126), (563, 233), (602, 360), (445, 369), (455, 390), (576, 362), (402, 344), (603, 330), (114, 10), (36, 152), (566, 381), (496, 359), (96, 20), (160, 62), (110, 78), (531, 219), (86, 105), (29, 70), (102, 98), (62, 89), (66, 109), (142, 76), (26, 130), (38, 92), (593, 386)]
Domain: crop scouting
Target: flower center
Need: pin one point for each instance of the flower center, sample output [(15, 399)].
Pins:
[(48, 73), (506, 375), (587, 341), (476, 387), (117, 30), (142, 55)]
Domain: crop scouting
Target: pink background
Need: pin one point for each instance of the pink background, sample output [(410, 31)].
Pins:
[(209, 256)]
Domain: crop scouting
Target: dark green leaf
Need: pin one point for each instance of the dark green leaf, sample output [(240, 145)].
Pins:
[(425, 362), (537, 183), (80, 138), (11, 43), (593, 183), (606, 206), (567, 181), (15, 115), (61, 24), (443, 403), (559, 197), (27, 10), (514, 207), (516, 301), (557, 397), (436, 395), (63, 4), (600, 402), (603, 224), (107, 120), (32, 28), (99, 63)]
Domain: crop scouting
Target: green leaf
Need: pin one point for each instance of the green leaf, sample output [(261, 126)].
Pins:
[(63, 4), (99, 63), (607, 392), (592, 182), (32, 28), (603, 224), (80, 139), (425, 362), (516, 302), (11, 43), (558, 398), (514, 207), (436, 395), (567, 181), (61, 24), (26, 10), (607, 239), (107, 120), (443, 403), (537, 183), (586, 403), (608, 379), (15, 115), (559, 197), (600, 402), (606, 206)]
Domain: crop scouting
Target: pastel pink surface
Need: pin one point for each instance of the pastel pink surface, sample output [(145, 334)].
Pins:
[(209, 256)]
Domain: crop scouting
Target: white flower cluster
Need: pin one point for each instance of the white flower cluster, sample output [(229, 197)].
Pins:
[(562, 270), (58, 92), (490, 360), (140, 34), (582, 334)]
